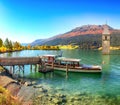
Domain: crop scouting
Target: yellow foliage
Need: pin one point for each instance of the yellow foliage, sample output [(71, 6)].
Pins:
[(3, 49), (115, 48), (2, 90), (5, 97), (111, 48), (100, 48), (68, 46), (28, 47)]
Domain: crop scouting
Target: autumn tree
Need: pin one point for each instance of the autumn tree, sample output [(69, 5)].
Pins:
[(8, 44), (29, 46), (16, 45), (1, 42)]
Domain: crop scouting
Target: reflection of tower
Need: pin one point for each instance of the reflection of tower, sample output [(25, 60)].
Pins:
[(105, 40), (105, 67)]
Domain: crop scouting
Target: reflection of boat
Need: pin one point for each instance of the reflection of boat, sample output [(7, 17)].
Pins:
[(69, 64)]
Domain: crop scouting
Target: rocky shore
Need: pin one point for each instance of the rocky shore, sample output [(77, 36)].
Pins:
[(19, 89), (50, 96)]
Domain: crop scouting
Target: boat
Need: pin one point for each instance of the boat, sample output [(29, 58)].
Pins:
[(69, 64)]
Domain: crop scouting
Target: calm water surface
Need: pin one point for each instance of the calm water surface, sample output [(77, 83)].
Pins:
[(106, 83)]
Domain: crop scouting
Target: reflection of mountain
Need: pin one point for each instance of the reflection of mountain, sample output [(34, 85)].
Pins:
[(85, 36)]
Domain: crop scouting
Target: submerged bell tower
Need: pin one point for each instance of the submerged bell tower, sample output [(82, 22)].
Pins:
[(106, 40)]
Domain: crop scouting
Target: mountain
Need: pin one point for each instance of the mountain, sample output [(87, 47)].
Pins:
[(24, 44), (37, 42), (85, 30), (86, 35)]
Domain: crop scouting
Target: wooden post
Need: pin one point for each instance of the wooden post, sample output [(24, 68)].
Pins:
[(19, 67), (23, 68), (35, 67), (39, 67), (30, 67), (23, 72), (66, 70), (53, 65), (13, 69)]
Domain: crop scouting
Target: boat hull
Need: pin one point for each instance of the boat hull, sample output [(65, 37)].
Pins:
[(79, 69), (69, 65)]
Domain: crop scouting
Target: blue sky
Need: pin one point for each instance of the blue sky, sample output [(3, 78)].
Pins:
[(27, 20)]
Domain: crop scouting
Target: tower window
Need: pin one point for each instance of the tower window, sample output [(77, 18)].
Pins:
[(105, 37)]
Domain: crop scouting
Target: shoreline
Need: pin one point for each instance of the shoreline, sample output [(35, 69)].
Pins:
[(18, 89), (100, 48), (111, 48), (10, 51)]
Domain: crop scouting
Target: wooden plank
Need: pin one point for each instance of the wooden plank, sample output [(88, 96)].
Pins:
[(19, 61)]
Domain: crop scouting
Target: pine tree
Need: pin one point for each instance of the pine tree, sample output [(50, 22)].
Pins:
[(8, 44), (1, 42)]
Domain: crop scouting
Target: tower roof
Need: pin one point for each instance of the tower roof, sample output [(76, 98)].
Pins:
[(106, 30)]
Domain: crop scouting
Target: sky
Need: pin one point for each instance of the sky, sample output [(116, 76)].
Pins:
[(27, 20)]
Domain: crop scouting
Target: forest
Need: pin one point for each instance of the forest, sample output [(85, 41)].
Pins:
[(8, 45), (86, 41)]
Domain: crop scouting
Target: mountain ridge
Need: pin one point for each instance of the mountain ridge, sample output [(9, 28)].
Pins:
[(82, 31)]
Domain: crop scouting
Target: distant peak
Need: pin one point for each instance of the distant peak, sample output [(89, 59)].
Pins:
[(91, 27)]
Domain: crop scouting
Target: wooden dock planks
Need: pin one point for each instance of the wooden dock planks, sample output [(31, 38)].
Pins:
[(19, 61)]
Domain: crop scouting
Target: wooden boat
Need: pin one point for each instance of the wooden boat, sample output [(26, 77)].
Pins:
[(69, 64)]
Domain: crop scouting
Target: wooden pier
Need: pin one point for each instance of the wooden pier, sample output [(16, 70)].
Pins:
[(20, 62), (6, 61)]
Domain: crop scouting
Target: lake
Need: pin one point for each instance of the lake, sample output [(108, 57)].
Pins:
[(106, 84)]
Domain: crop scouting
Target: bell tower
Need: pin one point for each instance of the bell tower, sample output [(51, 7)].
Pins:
[(106, 40)]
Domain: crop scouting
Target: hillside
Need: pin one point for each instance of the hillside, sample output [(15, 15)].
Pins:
[(84, 36), (37, 42)]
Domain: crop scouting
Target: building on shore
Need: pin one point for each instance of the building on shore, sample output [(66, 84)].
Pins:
[(106, 40)]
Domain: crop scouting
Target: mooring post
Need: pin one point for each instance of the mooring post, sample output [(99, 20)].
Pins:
[(23, 67), (35, 67), (53, 65), (23, 71), (39, 67), (66, 70), (13, 69), (19, 67), (31, 67)]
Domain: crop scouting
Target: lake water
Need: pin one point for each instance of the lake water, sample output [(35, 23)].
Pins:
[(105, 84)]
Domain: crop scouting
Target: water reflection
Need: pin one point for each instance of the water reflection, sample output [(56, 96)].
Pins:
[(105, 67)]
